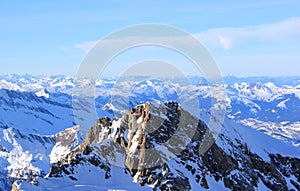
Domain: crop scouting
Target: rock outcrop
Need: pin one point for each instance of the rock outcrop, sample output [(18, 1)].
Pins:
[(134, 138), (15, 187)]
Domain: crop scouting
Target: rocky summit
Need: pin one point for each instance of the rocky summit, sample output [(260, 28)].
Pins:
[(158, 147)]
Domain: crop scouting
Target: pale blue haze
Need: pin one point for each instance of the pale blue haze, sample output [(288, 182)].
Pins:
[(46, 37)]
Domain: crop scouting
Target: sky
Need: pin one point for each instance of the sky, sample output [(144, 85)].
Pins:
[(245, 38)]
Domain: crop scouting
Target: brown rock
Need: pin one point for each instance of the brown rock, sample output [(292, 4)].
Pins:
[(15, 187)]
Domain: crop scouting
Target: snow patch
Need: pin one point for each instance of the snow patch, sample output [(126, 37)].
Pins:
[(42, 93), (282, 104)]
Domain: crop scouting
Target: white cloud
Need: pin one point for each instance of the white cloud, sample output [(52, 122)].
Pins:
[(281, 58), (225, 42), (227, 38), (86, 46), (283, 31)]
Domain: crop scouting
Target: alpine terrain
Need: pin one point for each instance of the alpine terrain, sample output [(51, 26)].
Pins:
[(156, 143)]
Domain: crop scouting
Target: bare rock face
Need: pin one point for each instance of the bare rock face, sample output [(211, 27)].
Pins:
[(66, 141), (130, 137), (14, 187), (137, 124), (144, 127)]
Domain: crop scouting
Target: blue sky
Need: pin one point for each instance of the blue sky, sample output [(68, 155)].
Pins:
[(246, 38)]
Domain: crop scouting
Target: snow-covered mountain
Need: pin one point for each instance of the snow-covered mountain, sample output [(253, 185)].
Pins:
[(129, 154), (39, 131), (26, 156), (32, 112)]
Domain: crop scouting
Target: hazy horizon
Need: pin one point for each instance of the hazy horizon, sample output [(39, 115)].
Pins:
[(189, 76)]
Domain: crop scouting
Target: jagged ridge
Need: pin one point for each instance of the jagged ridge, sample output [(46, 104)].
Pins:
[(242, 170)]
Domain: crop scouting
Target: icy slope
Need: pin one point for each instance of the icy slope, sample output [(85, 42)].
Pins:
[(29, 156)]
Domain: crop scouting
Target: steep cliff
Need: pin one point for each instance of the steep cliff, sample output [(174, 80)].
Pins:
[(142, 143)]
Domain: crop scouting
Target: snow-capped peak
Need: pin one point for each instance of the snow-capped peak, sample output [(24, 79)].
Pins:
[(42, 93)]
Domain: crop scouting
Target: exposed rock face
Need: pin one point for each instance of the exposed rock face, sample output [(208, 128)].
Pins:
[(14, 187), (137, 125), (142, 134), (66, 141), (288, 167), (67, 169), (144, 128)]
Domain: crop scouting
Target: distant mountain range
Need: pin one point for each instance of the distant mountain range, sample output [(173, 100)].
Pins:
[(39, 135)]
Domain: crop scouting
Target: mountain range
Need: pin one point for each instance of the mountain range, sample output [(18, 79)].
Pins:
[(45, 145)]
